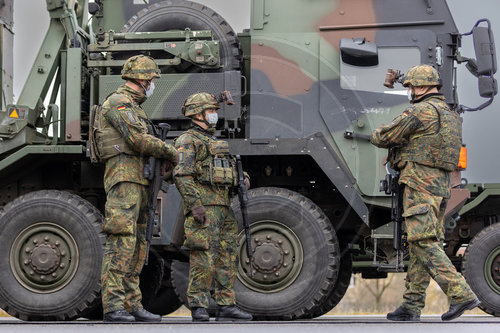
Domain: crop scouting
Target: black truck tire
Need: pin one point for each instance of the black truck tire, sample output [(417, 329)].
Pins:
[(151, 278), (158, 295), (180, 281), (338, 292), (296, 256), (481, 268), (52, 247), (181, 14), (159, 298), (164, 302)]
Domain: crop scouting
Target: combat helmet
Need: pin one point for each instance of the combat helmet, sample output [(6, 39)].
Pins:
[(422, 75), (140, 67), (199, 102)]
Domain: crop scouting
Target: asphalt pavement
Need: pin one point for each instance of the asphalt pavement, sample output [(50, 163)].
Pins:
[(351, 324)]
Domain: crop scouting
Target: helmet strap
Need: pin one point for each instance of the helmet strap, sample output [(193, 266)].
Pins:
[(140, 84), (204, 119)]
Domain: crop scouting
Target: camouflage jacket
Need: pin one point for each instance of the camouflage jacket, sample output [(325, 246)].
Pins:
[(193, 147), (418, 118), (122, 111)]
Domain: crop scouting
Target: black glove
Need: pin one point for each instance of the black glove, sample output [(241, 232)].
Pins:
[(199, 214)]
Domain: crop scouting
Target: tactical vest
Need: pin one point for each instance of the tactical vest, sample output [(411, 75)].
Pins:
[(218, 167), (105, 140), (440, 149)]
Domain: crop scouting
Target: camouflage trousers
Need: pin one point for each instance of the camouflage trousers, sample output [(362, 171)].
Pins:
[(424, 216), (125, 250), (213, 258)]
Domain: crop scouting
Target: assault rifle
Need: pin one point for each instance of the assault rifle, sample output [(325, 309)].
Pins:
[(390, 185), (242, 195), (152, 172)]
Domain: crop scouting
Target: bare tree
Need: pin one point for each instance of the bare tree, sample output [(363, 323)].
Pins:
[(377, 288)]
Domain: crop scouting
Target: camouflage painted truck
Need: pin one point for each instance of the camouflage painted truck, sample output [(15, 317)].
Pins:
[(301, 76)]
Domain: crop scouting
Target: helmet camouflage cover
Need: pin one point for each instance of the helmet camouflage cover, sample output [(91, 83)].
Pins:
[(199, 102), (140, 67), (422, 75)]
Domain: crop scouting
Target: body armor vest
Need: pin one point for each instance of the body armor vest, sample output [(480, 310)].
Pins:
[(440, 149), (105, 140), (218, 167)]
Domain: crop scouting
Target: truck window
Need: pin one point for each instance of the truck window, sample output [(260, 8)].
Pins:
[(363, 77)]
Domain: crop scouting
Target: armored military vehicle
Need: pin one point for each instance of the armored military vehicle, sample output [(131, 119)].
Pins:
[(302, 76)]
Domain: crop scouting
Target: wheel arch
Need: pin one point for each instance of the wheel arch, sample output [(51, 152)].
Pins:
[(317, 172)]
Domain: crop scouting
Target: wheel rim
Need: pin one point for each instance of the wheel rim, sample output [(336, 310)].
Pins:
[(492, 270), (44, 257), (277, 257)]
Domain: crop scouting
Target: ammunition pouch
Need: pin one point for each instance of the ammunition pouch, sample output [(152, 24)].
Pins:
[(219, 168)]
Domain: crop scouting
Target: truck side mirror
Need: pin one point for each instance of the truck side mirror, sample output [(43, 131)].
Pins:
[(484, 47), (488, 86), (485, 64)]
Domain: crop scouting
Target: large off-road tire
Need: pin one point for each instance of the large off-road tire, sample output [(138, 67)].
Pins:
[(151, 278), (180, 281), (296, 256), (158, 297), (481, 268), (52, 246), (181, 14), (164, 302), (340, 288)]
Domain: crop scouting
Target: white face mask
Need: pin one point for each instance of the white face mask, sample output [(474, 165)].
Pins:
[(212, 118), (410, 95), (149, 91)]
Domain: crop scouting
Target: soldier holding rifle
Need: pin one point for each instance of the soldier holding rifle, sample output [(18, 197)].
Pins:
[(425, 142), (205, 176), (123, 139)]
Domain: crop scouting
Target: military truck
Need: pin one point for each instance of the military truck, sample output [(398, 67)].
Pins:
[(302, 76)]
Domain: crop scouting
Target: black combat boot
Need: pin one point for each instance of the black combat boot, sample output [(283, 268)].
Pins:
[(199, 314), (456, 310), (403, 314), (144, 315), (231, 313), (118, 315)]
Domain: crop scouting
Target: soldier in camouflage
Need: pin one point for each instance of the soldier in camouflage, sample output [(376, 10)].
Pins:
[(124, 140), (205, 176), (425, 142)]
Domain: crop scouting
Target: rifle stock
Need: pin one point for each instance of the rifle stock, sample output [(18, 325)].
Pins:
[(152, 171)]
